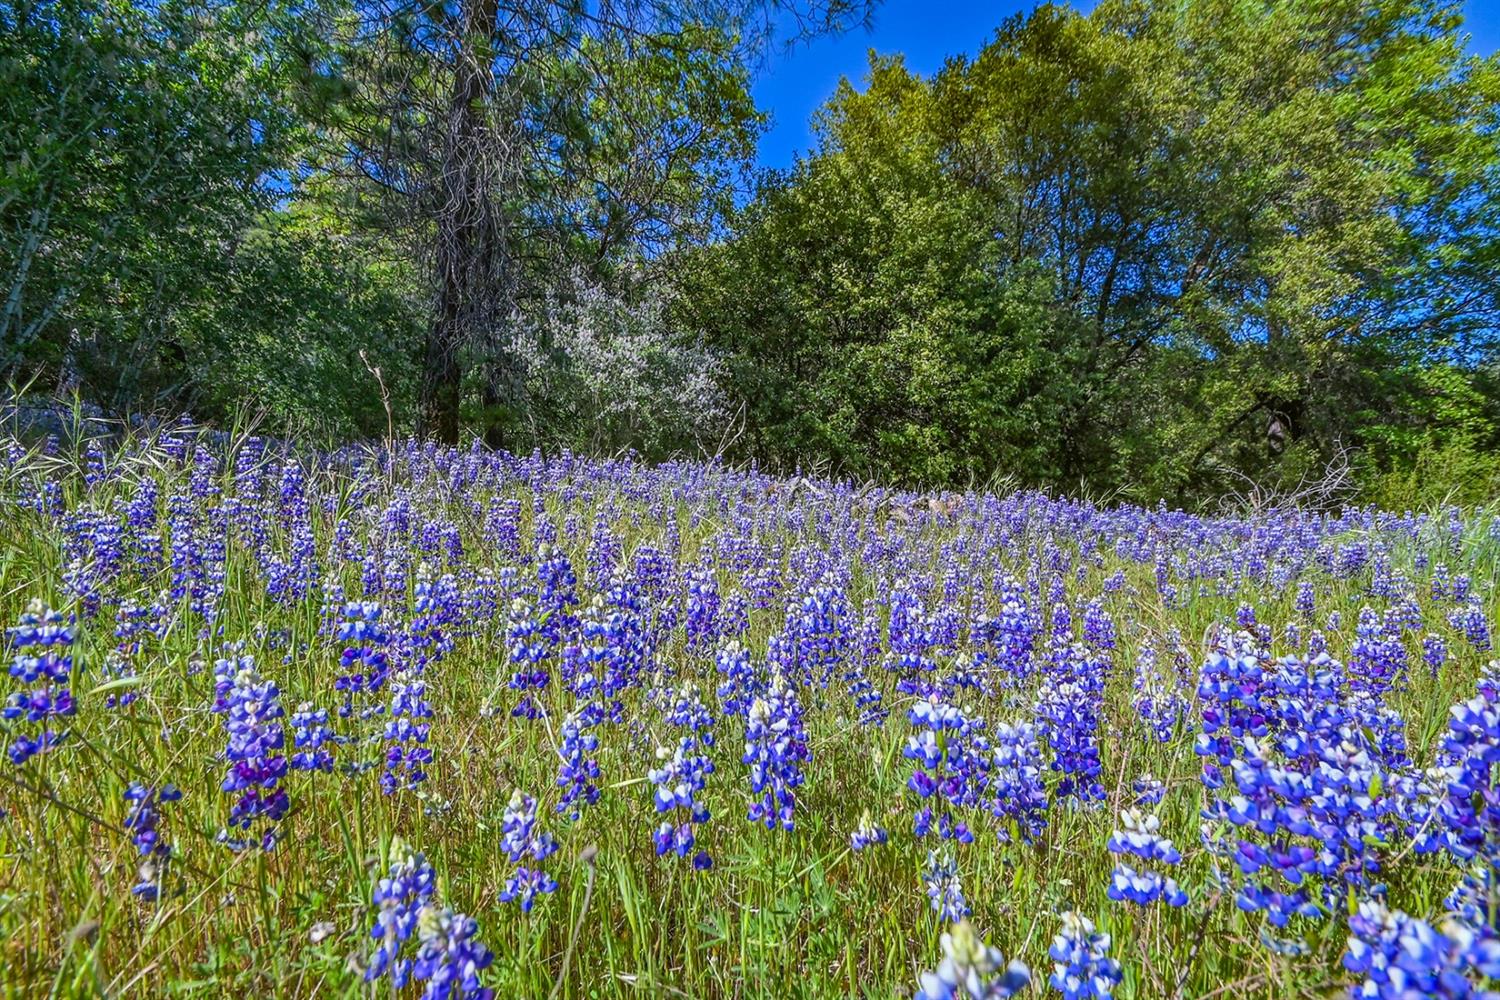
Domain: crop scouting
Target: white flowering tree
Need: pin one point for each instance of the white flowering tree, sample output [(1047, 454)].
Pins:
[(600, 369)]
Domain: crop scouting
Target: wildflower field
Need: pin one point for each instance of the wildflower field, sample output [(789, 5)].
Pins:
[(412, 721)]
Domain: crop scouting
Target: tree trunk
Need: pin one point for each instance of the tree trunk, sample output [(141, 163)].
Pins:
[(442, 377), (494, 399), (466, 253)]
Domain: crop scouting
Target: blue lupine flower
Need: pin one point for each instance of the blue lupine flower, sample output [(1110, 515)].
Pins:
[(1081, 966), (1377, 660), (578, 770), (1314, 802), (971, 970), (910, 638), (1231, 690), (817, 628), (365, 668), (252, 720), (1020, 797), (42, 667), (739, 685), (701, 621), (1438, 588), (141, 820), (1468, 808), (450, 957), (953, 758), (1098, 626), (407, 753), (531, 647), (1471, 620), (1139, 835), (867, 834), (1434, 652), (943, 887), (775, 749), (1158, 702), (437, 611), (678, 780), (1068, 717), (1148, 790), (1011, 635), (523, 840), (312, 737), (400, 896), (1399, 956), (680, 777)]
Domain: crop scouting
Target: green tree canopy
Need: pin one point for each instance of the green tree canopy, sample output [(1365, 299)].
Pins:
[(1158, 245)]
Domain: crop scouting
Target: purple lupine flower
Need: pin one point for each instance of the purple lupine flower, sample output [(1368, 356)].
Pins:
[(531, 647), (701, 619), (1467, 810), (1149, 790), (400, 896), (1098, 626), (1067, 712), (1400, 956), (252, 720), (604, 552), (1081, 966), (867, 833), (943, 888), (867, 698), (818, 629), (578, 770), (740, 685), (437, 609), (1313, 804), (775, 748), (1020, 797), (972, 970), (364, 664), (952, 760), (527, 845), (135, 624), (681, 776), (502, 528), (142, 819), (407, 752), (1438, 588), (449, 955), (1139, 836), (312, 737), (910, 638), (1377, 661), (1475, 900), (1471, 620), (41, 671), (1434, 652), (1158, 702), (1235, 702), (1008, 641)]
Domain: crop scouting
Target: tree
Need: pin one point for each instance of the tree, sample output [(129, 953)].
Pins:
[(137, 139), (1208, 237), (512, 139), (603, 370)]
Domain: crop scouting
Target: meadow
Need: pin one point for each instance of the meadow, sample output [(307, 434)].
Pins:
[(421, 721)]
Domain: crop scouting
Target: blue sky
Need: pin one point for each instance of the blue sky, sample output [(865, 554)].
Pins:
[(925, 32)]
